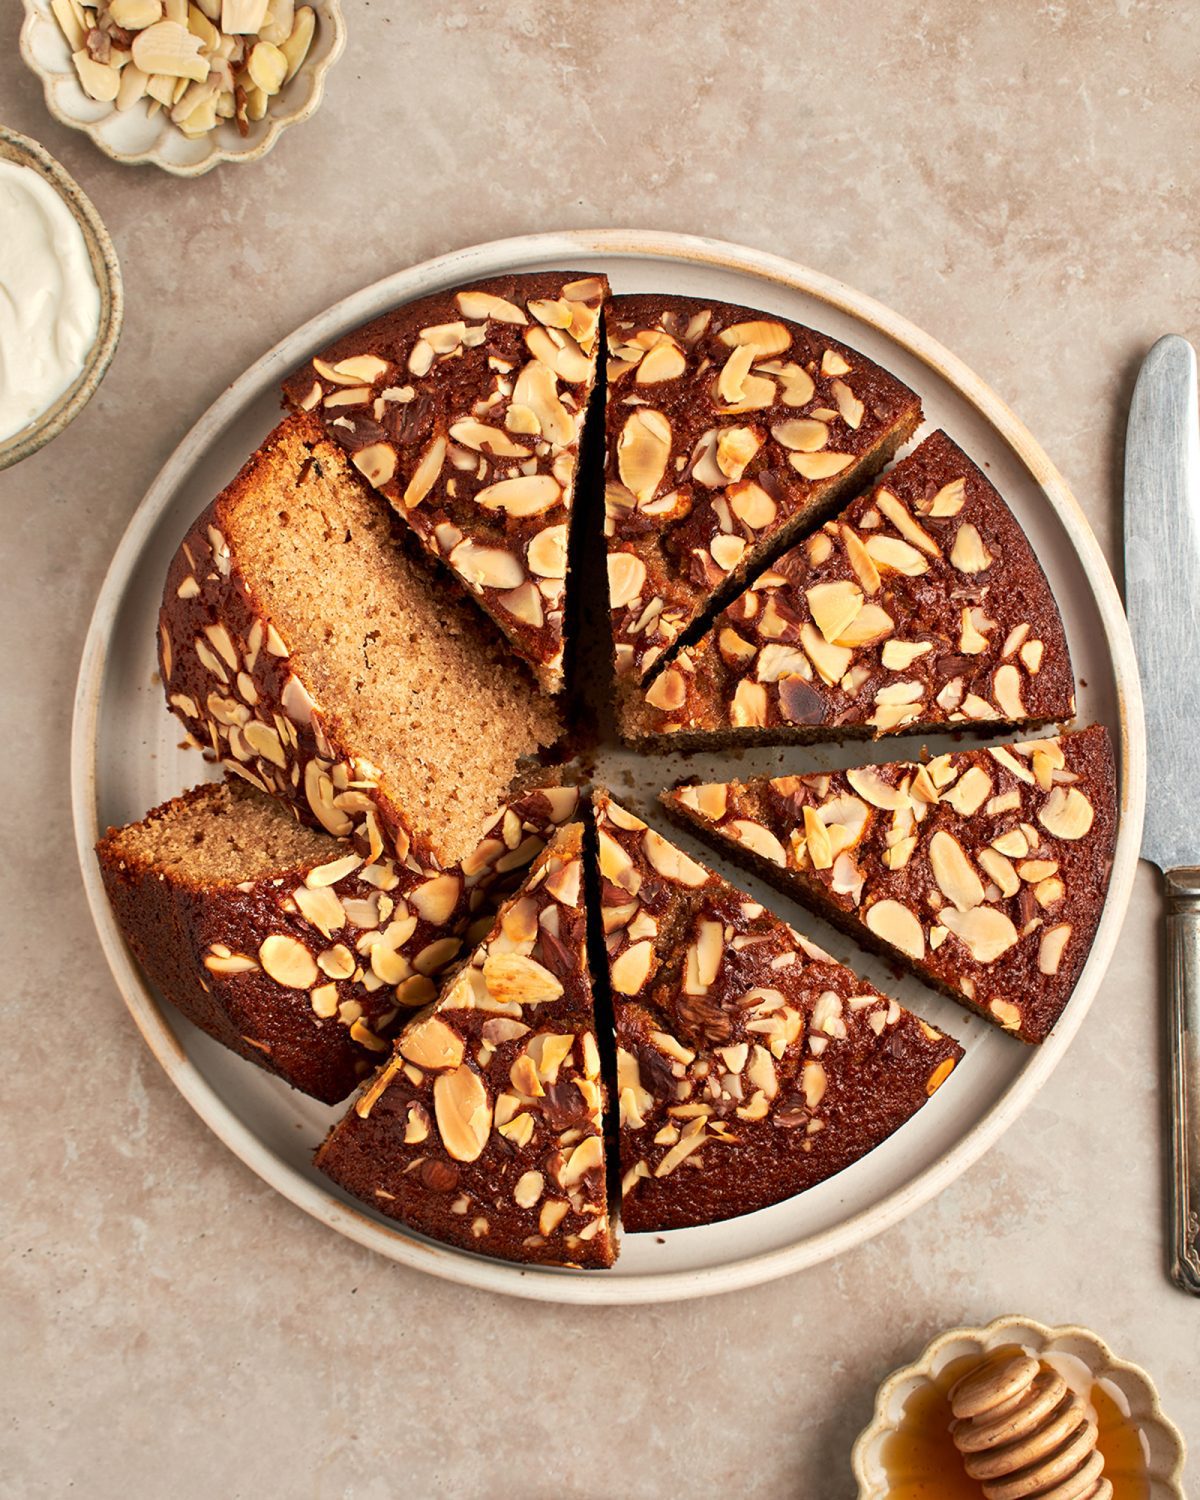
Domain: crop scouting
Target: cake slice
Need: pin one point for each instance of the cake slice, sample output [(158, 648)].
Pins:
[(466, 409), (921, 605), (285, 944), (485, 1128), (728, 431), (984, 872), (318, 661), (750, 1065)]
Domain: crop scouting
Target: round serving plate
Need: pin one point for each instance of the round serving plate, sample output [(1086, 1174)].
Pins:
[(126, 758)]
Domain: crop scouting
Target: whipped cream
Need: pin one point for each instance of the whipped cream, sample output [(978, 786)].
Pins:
[(49, 299)]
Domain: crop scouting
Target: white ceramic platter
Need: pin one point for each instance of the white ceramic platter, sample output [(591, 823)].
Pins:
[(126, 759)]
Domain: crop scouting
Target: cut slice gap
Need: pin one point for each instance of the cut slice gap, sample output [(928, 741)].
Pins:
[(729, 431), (465, 410), (922, 606), (287, 945), (983, 872), (751, 1065), (317, 660), (484, 1130)]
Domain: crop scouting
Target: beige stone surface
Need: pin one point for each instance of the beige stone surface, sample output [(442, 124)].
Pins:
[(1018, 179)]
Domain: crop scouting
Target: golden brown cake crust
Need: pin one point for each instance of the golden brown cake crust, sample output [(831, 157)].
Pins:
[(485, 1129), (921, 605), (308, 968), (984, 872), (281, 713), (750, 1065), (465, 410), (728, 431)]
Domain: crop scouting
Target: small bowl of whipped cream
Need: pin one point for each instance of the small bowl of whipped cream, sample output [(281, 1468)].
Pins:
[(61, 301)]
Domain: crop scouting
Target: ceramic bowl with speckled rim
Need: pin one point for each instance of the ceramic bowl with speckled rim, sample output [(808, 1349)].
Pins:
[(134, 137), (27, 153), (1128, 1385)]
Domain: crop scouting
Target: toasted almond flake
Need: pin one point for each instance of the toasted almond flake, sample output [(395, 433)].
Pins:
[(288, 962), (758, 840), (626, 578), (1066, 813), (968, 554), (483, 305), (665, 361), (953, 871), (526, 495), (860, 559), (893, 923), (896, 555), (986, 932), (668, 691), (642, 451), (767, 337), (748, 709), (848, 404), (463, 1113), (376, 462), (802, 435)]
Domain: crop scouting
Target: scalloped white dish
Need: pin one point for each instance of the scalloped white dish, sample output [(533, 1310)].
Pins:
[(126, 758), (1080, 1354), (135, 138)]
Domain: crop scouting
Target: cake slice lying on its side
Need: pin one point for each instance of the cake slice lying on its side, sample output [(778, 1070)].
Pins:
[(318, 661), (983, 872), (485, 1128), (286, 945), (921, 605), (750, 1064), (728, 431), (466, 410)]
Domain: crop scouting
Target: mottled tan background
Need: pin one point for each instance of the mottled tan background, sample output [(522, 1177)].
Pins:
[(1019, 179)]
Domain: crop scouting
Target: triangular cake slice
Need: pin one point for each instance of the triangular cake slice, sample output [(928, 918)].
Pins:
[(921, 605), (750, 1064), (314, 658), (485, 1128), (466, 409), (287, 945), (728, 430), (984, 872)]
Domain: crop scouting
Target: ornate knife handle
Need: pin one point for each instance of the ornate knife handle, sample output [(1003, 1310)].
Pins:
[(1183, 1051)]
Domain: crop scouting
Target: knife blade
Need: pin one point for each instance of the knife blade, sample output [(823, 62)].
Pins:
[(1162, 595)]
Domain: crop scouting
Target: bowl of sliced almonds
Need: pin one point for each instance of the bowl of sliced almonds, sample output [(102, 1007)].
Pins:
[(184, 84)]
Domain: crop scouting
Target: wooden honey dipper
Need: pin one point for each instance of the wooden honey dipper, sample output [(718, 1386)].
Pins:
[(1025, 1435)]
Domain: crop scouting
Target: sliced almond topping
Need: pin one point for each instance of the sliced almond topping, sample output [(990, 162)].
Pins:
[(486, 567), (526, 495), (672, 863), (1050, 949), (968, 554), (560, 352), (801, 434), (751, 504), (475, 304), (547, 552), (900, 517), (749, 707), (758, 840), (860, 560), (1066, 813), (432, 1044), (630, 970), (643, 450), (376, 462), (511, 978), (733, 374), (832, 363), (831, 662), (954, 872), (668, 692), (895, 924), (797, 388), (665, 361), (736, 446), (463, 1112), (834, 607), (481, 438), (626, 578), (969, 792), (986, 932), (848, 404), (817, 840), (767, 337), (288, 962), (1006, 683), (425, 474), (892, 554)]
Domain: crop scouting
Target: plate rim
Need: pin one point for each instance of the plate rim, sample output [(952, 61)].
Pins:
[(548, 1284)]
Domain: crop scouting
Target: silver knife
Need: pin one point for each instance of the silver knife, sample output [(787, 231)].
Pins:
[(1162, 595)]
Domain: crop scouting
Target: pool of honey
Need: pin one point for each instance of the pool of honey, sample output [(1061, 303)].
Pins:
[(922, 1462)]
